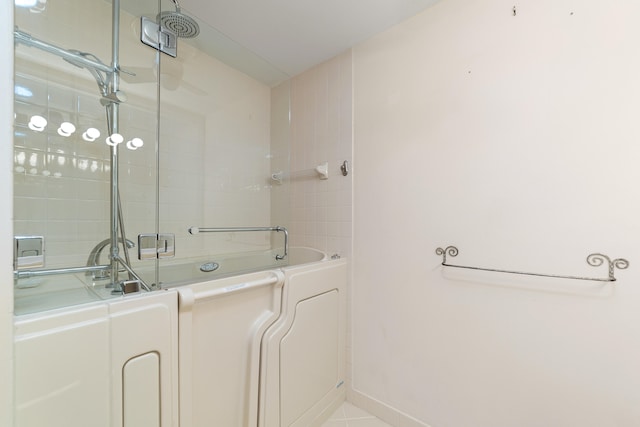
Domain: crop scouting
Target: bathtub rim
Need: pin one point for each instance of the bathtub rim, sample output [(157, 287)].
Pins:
[(92, 292)]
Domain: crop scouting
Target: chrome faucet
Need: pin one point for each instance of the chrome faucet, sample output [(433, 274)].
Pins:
[(94, 257)]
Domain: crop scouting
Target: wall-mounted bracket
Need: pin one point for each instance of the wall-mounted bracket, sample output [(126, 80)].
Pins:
[(323, 170), (158, 37)]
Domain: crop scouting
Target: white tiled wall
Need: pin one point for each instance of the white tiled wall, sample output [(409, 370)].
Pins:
[(321, 132), (214, 149)]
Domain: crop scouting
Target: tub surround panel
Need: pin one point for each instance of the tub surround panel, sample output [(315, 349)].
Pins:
[(72, 365), (54, 380), (514, 138)]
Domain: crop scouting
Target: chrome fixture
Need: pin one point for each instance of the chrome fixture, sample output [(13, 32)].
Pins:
[(156, 246), (108, 79), (53, 271), (196, 230), (128, 286), (594, 260), (28, 252), (163, 33), (117, 97), (94, 257), (75, 57), (277, 177), (180, 24), (101, 72), (208, 267), (158, 37), (344, 167)]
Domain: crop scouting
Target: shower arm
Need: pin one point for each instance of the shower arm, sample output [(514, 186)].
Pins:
[(196, 230), (73, 57)]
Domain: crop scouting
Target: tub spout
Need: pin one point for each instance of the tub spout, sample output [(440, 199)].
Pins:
[(94, 257)]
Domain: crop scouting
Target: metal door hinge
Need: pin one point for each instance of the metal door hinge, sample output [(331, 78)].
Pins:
[(155, 246), (158, 37)]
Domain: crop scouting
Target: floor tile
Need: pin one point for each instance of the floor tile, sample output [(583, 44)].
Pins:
[(366, 422)]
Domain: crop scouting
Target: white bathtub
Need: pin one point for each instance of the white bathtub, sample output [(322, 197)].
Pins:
[(37, 294), (264, 349), (245, 349), (179, 272)]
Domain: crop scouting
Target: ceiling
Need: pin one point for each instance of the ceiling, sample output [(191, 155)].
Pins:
[(295, 35)]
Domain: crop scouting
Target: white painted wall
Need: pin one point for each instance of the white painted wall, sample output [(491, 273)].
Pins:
[(6, 212), (515, 138)]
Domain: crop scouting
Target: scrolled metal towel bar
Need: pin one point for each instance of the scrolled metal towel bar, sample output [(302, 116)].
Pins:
[(594, 260)]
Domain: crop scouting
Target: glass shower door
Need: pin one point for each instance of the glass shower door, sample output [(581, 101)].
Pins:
[(223, 134), (67, 110)]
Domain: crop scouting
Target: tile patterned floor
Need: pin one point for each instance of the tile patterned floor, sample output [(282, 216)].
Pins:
[(348, 415)]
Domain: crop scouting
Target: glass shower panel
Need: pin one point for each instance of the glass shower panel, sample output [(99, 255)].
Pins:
[(62, 162), (220, 124)]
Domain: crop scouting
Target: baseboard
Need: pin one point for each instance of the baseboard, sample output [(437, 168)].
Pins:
[(329, 409), (383, 411)]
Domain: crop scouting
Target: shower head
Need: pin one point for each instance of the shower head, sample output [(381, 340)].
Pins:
[(99, 75), (182, 25)]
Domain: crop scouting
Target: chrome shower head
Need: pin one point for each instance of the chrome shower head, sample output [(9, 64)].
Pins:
[(180, 24)]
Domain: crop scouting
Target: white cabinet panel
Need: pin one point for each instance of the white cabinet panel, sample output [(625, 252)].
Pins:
[(62, 370), (309, 356), (99, 365)]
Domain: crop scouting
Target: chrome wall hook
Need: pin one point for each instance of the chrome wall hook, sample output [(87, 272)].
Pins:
[(345, 168)]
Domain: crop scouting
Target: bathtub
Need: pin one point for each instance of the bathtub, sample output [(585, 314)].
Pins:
[(264, 348), (37, 294), (180, 273), (249, 346)]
